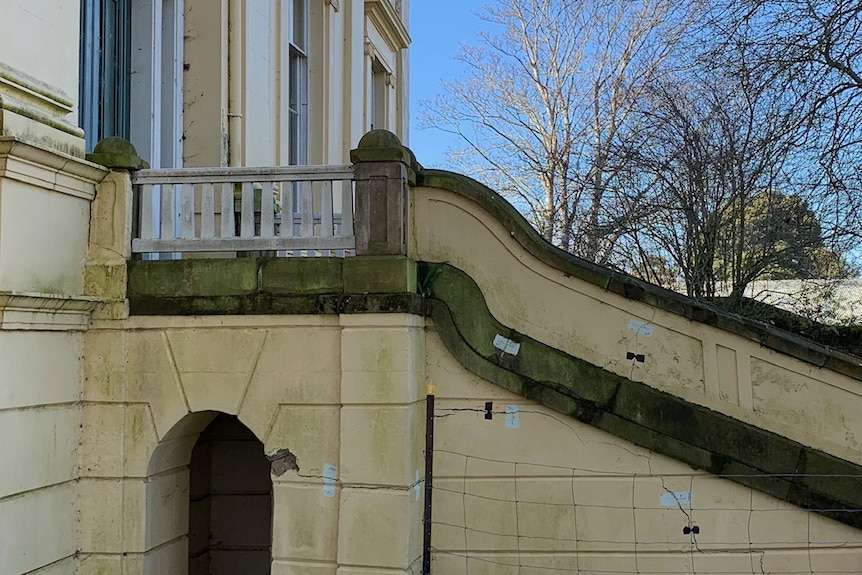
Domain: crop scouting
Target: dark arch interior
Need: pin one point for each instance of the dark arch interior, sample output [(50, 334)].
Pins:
[(230, 502)]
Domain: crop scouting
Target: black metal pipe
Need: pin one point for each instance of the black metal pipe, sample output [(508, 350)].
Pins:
[(429, 474)]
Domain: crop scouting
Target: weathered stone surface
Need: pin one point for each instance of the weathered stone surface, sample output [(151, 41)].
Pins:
[(119, 153), (301, 275), (629, 287), (381, 146), (643, 415), (192, 278), (379, 274), (277, 286)]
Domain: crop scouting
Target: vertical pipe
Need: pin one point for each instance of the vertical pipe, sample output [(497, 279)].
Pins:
[(235, 82), (429, 475)]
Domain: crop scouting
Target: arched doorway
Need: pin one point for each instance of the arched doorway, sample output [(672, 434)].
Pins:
[(230, 502)]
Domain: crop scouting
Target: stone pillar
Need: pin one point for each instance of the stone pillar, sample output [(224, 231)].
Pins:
[(111, 228), (384, 173), (112, 494), (381, 443)]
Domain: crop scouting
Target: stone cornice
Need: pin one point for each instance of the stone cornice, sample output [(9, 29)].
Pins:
[(382, 14), (27, 96), (49, 96), (48, 169), (38, 311)]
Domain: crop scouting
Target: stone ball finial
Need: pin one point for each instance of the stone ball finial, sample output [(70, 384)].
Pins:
[(115, 152), (379, 139)]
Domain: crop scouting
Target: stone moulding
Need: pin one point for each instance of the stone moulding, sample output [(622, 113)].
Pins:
[(51, 97), (32, 311), (48, 169), (631, 288), (24, 95), (384, 17), (364, 284)]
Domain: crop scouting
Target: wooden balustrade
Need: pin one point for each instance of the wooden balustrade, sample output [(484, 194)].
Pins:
[(290, 210)]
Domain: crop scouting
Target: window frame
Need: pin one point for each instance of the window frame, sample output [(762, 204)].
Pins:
[(296, 89), (128, 78), (104, 94)]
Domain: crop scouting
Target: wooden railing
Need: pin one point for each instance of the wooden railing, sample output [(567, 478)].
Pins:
[(285, 211)]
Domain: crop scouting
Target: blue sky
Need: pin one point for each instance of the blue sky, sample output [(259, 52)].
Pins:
[(437, 28)]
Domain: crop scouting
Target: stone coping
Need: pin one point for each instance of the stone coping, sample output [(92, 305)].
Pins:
[(632, 288), (365, 284)]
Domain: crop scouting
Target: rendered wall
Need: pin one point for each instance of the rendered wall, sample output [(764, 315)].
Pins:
[(545, 493), (44, 214), (235, 110), (205, 83), (699, 363), (342, 394), (39, 423), (347, 391)]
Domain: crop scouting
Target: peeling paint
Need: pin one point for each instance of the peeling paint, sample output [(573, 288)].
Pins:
[(282, 461), (641, 327), (671, 499)]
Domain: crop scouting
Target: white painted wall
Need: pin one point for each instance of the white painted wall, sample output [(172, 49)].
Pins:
[(39, 434), (44, 231), (55, 24)]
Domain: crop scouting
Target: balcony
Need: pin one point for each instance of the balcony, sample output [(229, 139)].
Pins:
[(284, 211)]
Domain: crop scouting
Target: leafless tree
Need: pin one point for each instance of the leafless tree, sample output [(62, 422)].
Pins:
[(728, 206), (697, 144), (811, 49), (548, 99)]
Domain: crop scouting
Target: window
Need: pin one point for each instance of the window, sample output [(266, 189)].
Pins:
[(131, 78), (105, 60), (297, 98), (377, 104), (131, 75), (298, 84)]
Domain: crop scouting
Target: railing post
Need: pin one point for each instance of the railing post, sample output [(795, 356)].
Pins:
[(384, 173), (111, 220)]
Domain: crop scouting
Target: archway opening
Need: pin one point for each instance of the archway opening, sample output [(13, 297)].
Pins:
[(230, 502)]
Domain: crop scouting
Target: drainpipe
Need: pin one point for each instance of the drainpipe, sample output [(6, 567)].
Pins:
[(430, 391), (235, 76)]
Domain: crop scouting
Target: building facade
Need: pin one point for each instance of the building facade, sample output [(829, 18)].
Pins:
[(190, 83), (437, 390)]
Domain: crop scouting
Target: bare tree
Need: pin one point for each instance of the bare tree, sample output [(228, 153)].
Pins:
[(700, 145), (811, 49), (816, 43), (548, 99), (728, 208)]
